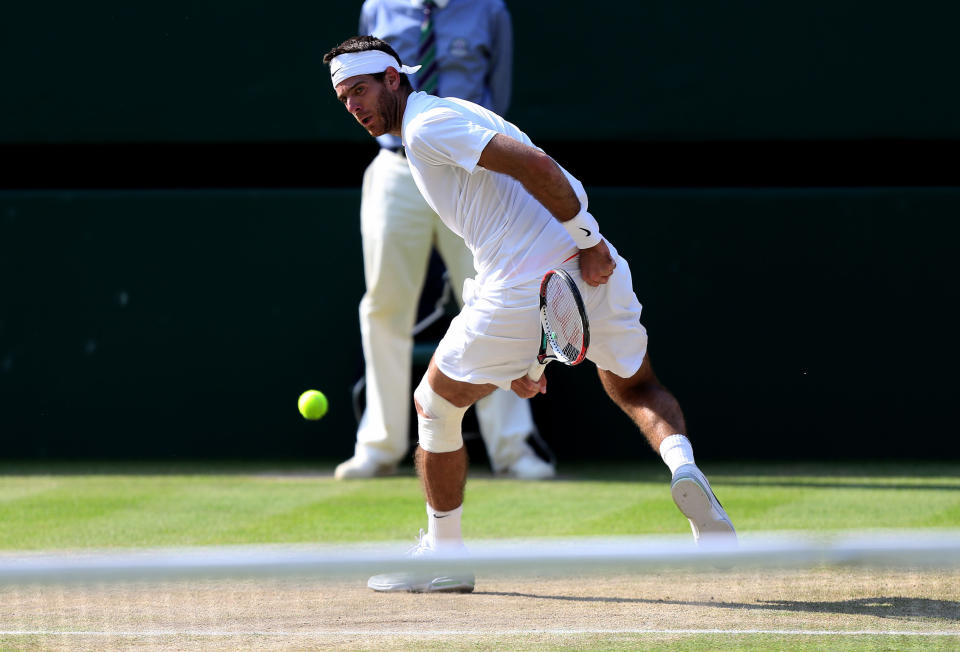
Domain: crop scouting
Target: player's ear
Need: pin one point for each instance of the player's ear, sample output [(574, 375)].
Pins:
[(391, 78)]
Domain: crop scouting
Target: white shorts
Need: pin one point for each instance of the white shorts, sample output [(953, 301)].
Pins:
[(496, 337)]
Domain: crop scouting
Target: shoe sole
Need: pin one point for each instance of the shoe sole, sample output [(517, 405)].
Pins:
[(407, 584), (528, 476), (696, 504), (381, 471)]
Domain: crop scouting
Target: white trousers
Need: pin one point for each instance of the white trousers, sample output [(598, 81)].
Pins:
[(398, 229)]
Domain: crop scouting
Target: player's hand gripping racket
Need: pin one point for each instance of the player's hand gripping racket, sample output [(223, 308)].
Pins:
[(563, 320)]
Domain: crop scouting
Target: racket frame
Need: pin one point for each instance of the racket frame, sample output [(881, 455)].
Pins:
[(546, 342)]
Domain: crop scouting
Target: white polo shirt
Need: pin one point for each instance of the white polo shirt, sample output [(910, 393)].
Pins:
[(513, 237), (514, 240)]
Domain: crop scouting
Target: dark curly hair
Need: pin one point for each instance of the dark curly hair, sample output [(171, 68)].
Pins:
[(364, 44)]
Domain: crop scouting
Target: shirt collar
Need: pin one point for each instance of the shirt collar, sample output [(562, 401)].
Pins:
[(440, 3)]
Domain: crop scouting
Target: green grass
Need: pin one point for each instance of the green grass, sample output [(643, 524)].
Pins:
[(70, 506)]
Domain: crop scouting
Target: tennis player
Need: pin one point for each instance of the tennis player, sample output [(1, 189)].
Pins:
[(520, 214)]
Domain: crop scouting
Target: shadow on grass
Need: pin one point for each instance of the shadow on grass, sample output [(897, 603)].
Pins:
[(881, 607), (753, 473), (870, 474), (815, 483), (167, 467)]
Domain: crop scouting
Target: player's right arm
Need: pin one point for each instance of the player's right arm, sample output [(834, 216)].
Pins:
[(536, 171), (545, 180)]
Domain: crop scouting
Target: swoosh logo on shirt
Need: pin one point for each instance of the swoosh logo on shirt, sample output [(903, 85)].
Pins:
[(584, 230)]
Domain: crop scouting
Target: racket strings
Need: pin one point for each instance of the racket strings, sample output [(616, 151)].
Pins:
[(566, 330)]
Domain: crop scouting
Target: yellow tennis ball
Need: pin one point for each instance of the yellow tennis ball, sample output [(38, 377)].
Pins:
[(312, 404)]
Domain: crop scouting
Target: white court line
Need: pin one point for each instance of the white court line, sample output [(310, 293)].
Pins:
[(477, 632)]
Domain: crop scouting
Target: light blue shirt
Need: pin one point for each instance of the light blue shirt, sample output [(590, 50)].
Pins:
[(474, 47)]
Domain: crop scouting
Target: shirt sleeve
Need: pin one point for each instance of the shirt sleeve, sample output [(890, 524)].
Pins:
[(500, 79), (444, 137)]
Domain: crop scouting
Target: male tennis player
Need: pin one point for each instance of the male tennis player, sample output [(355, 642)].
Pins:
[(521, 214)]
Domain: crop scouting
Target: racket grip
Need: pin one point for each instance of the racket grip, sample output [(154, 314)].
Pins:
[(536, 370)]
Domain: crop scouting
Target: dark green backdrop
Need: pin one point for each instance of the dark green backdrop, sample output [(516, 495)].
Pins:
[(789, 322), (658, 70), (798, 321)]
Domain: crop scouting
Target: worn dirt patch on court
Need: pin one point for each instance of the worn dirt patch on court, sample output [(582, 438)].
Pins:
[(288, 614)]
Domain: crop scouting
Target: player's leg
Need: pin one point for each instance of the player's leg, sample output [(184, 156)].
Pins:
[(505, 419), (395, 225), (488, 345), (658, 415), (648, 403), (440, 403), (619, 348), (441, 459)]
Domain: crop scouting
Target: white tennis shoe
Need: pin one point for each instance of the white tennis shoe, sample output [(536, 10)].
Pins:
[(530, 467), (363, 467), (696, 500), (430, 579)]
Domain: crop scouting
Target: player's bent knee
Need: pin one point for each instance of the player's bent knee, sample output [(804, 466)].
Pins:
[(439, 421)]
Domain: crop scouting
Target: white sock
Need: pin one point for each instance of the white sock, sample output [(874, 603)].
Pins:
[(444, 527), (676, 451)]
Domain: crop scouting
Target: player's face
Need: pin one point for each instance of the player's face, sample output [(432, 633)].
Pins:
[(372, 104)]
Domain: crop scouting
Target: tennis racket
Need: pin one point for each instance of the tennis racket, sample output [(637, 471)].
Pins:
[(565, 331)]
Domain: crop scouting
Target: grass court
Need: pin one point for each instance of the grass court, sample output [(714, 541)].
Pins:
[(73, 508)]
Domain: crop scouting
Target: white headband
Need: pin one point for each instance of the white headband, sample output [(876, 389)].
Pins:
[(364, 63)]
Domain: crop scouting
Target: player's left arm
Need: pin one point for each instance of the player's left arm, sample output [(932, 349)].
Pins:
[(545, 180)]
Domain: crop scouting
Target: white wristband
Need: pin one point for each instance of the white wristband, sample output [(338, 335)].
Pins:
[(584, 230)]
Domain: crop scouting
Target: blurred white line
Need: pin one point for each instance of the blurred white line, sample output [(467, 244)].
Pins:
[(922, 548)]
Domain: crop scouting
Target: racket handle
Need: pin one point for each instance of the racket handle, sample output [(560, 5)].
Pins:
[(536, 370)]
